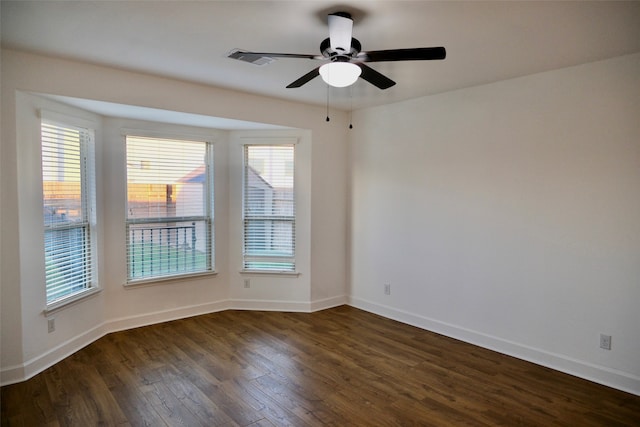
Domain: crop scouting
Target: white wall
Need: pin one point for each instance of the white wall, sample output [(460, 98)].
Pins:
[(26, 346), (509, 215)]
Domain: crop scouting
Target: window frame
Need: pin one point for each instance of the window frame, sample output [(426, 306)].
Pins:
[(269, 142), (88, 223), (208, 217)]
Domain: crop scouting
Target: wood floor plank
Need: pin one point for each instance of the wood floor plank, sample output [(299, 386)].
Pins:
[(193, 399), (169, 407), (203, 392), (238, 405), (272, 411), (30, 405), (136, 407), (223, 355), (95, 392), (335, 367)]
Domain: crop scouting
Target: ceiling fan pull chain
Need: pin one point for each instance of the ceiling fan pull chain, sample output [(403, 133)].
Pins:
[(327, 103), (351, 109)]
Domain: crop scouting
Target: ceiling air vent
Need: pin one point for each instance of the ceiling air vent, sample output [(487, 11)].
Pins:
[(251, 58)]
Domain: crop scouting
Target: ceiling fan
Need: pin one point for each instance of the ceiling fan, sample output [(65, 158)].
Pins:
[(346, 60)]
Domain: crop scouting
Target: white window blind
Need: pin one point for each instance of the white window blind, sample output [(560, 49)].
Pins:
[(269, 208), (69, 207), (169, 207)]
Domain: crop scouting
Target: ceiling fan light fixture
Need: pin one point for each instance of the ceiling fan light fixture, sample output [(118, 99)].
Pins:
[(340, 74)]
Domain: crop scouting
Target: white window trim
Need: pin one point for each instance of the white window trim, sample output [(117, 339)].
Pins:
[(283, 273), (72, 300), (94, 286), (65, 119), (270, 140), (163, 279)]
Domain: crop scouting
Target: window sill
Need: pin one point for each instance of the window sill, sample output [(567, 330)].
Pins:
[(72, 300), (163, 279), (271, 273)]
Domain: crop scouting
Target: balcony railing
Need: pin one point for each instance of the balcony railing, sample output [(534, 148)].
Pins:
[(161, 250)]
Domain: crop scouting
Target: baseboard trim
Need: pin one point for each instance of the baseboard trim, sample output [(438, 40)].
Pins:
[(34, 366), (599, 374), (292, 306), (326, 303), (12, 374), (130, 322), (269, 305)]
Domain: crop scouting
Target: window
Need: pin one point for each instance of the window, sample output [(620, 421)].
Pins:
[(169, 207), (68, 210), (269, 208)]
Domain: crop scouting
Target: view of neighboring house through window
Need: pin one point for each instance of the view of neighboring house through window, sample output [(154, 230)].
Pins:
[(169, 207), (269, 208), (69, 208)]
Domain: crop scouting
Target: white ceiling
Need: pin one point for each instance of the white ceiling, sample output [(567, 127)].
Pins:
[(485, 41)]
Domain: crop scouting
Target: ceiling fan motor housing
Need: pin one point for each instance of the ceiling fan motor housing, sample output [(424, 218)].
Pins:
[(327, 52)]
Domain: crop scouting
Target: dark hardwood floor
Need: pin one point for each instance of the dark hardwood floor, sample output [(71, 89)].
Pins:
[(340, 367)]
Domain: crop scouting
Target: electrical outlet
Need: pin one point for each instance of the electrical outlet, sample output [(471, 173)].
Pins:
[(51, 325), (387, 288), (605, 341), (247, 283)]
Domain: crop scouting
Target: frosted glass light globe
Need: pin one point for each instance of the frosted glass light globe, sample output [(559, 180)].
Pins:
[(340, 74)]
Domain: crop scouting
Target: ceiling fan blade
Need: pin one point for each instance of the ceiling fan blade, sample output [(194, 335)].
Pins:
[(252, 56), (375, 78), (415, 54), (340, 30), (305, 79)]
